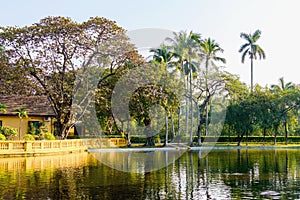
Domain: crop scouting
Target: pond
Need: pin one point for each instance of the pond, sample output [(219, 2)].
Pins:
[(222, 174)]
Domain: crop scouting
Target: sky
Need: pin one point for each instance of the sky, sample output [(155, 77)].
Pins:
[(222, 20)]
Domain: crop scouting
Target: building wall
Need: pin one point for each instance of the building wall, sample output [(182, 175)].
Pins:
[(14, 122)]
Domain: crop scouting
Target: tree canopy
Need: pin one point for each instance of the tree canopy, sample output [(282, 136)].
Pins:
[(51, 52)]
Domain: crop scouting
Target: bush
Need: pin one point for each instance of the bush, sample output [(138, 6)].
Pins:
[(8, 132), (2, 137), (48, 136), (135, 139), (76, 137), (28, 137)]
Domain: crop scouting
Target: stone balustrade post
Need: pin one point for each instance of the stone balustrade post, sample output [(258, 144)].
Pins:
[(27, 146)]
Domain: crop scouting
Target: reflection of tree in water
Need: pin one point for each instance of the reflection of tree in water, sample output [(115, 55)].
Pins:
[(221, 174)]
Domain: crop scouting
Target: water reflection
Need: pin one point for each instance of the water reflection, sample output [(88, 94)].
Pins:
[(137, 161), (223, 174)]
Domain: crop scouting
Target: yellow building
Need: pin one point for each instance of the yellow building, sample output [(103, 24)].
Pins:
[(39, 111)]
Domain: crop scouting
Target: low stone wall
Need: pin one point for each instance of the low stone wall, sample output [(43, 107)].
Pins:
[(56, 146)]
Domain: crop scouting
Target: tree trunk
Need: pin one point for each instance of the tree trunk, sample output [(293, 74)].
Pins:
[(191, 109), (200, 124), (199, 134), (264, 130), (150, 142), (62, 131), (247, 138), (275, 134), (186, 109), (128, 134), (20, 128), (206, 119), (178, 122), (206, 104), (173, 127), (286, 131), (167, 131), (229, 140), (251, 73), (240, 139)]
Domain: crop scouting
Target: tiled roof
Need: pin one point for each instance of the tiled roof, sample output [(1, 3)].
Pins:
[(34, 105)]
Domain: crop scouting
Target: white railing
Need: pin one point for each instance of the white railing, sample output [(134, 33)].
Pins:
[(49, 146)]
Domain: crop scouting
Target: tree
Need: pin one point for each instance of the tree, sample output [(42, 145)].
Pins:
[(282, 86), (13, 80), (241, 117), (2, 108), (165, 57), (252, 49), (52, 51), (209, 51), (286, 101), (186, 48), (21, 113), (239, 113)]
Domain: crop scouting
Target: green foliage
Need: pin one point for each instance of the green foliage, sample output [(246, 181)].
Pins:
[(266, 111), (31, 129), (2, 108), (48, 136), (50, 54), (21, 113), (36, 128), (8, 132), (28, 137), (2, 137), (251, 48)]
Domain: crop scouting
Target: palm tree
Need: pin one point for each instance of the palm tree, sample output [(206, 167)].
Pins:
[(2, 108), (209, 49), (284, 87), (252, 49), (164, 56), (185, 48), (21, 113)]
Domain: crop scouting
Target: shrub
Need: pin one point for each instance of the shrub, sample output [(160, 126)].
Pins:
[(8, 132), (48, 136), (28, 137), (2, 137)]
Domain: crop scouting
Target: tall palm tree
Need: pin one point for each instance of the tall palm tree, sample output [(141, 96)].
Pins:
[(252, 49), (209, 49), (21, 113), (185, 48)]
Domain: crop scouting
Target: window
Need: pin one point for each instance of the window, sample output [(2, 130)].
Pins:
[(36, 127)]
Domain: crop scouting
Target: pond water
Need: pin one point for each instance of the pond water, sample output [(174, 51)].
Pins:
[(222, 174)]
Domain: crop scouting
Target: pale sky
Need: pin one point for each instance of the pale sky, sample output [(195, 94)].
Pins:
[(223, 20)]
